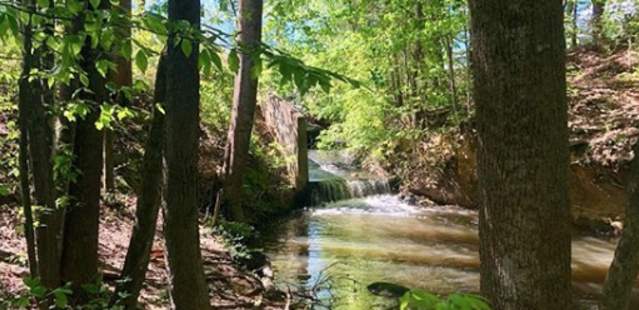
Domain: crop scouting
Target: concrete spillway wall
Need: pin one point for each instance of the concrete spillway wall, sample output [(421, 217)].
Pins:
[(288, 125)]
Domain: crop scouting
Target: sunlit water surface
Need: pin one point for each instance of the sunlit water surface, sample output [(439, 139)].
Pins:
[(354, 243)]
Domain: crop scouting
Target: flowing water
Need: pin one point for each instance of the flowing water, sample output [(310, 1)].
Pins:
[(355, 238)]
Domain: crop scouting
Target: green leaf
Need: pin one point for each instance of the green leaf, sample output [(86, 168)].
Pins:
[(103, 67), (215, 59), (418, 299), (160, 108), (141, 60), (4, 190), (233, 61), (84, 79), (155, 24), (31, 282), (74, 6), (13, 24), (124, 113), (204, 61), (95, 3), (43, 3), (187, 47), (4, 25), (61, 299), (126, 50)]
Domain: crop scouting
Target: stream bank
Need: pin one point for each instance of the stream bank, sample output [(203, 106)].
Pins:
[(603, 126)]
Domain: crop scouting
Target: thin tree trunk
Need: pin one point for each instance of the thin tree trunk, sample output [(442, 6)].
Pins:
[(622, 275), (571, 11), (575, 26), (244, 102), (108, 137), (598, 7), (520, 91), (148, 204), (122, 77), (451, 72), (49, 229), (80, 246), (187, 283), (417, 71), (24, 98)]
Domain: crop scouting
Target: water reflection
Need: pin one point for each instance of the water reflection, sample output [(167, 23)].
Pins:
[(381, 238)]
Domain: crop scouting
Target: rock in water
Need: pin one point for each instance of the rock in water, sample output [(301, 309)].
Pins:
[(386, 289)]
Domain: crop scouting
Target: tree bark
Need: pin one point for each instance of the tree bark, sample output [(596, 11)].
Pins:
[(244, 102), (187, 283), (80, 246), (148, 204), (25, 92), (622, 275), (518, 54), (38, 101)]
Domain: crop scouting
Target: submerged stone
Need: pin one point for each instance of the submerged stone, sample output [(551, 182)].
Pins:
[(386, 289)]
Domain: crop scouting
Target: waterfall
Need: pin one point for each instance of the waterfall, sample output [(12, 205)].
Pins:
[(336, 179)]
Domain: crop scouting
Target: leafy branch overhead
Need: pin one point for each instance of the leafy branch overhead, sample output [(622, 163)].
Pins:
[(101, 27)]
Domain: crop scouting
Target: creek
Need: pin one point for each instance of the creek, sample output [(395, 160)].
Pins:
[(358, 233)]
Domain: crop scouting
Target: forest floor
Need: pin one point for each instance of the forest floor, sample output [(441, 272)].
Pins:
[(231, 286), (603, 92)]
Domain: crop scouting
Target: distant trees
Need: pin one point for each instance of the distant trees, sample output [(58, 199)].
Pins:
[(572, 12), (244, 103), (518, 54)]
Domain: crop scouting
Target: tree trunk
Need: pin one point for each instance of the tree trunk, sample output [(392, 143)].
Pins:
[(622, 275), (244, 102), (80, 246), (108, 137), (122, 77), (575, 26), (188, 286), (598, 7), (520, 90), (148, 204), (24, 96), (451, 72), (39, 99)]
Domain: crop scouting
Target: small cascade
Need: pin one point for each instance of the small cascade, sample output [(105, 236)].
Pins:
[(337, 179), (365, 188)]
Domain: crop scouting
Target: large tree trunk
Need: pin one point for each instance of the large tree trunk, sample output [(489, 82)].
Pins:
[(80, 246), (148, 205), (188, 285), (244, 102), (520, 90), (622, 275), (596, 23)]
